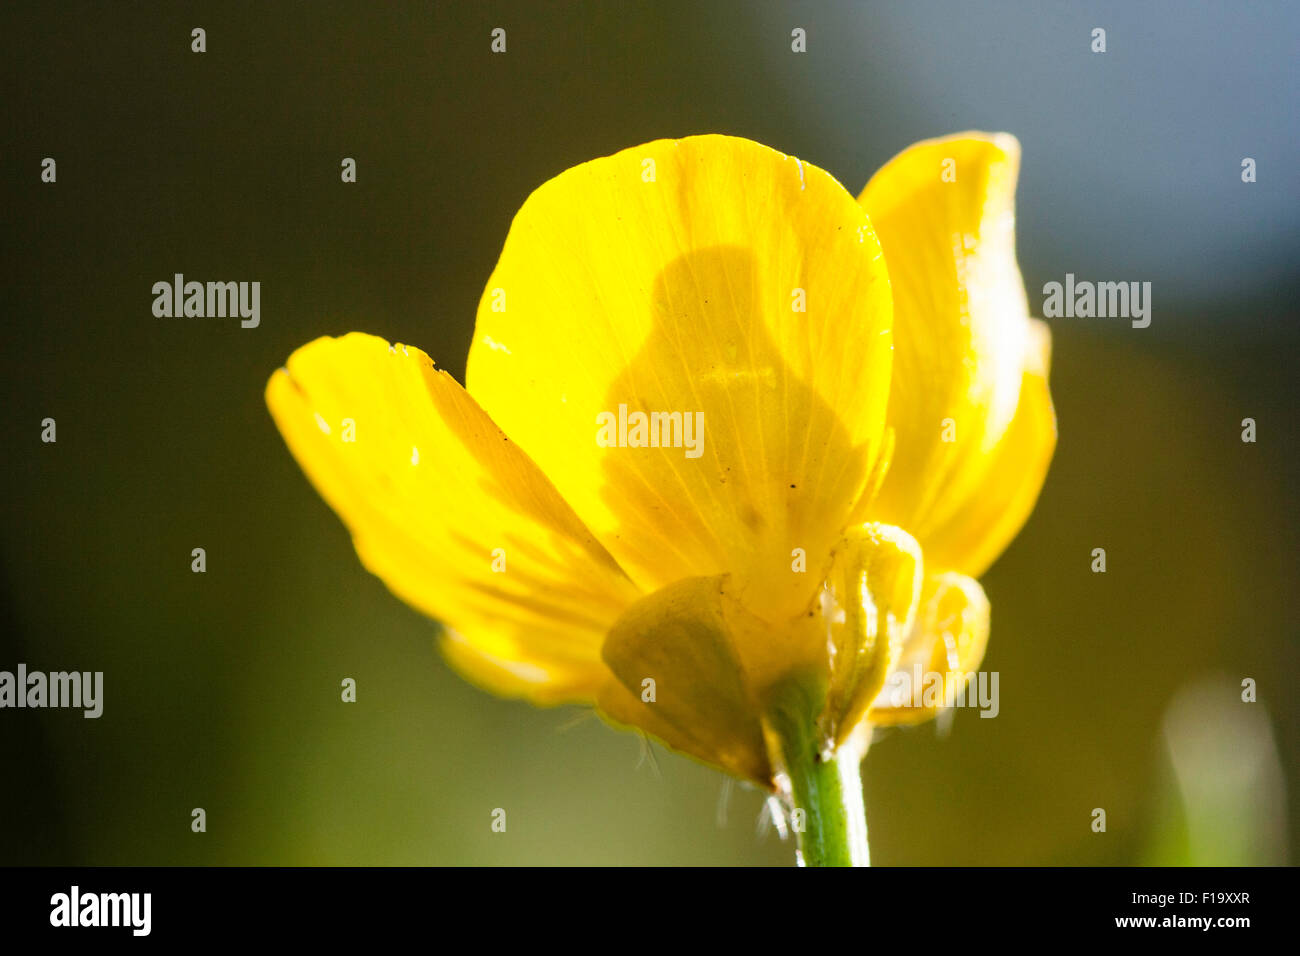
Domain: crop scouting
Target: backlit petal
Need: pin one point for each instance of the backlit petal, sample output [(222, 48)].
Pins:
[(452, 515), (1001, 501), (669, 278), (944, 212), (945, 647)]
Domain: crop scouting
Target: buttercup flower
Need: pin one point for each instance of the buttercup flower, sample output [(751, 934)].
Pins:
[(733, 450)]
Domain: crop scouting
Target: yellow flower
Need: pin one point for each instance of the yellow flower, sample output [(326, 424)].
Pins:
[(874, 428)]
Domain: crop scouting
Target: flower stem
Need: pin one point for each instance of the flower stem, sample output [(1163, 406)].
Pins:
[(825, 785)]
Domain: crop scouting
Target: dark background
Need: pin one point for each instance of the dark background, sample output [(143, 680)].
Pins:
[(1118, 691)]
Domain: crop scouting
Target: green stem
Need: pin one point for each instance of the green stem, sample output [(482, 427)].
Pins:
[(825, 786)]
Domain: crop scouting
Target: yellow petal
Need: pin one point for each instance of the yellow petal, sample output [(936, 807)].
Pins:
[(437, 497), (680, 674), (667, 279), (971, 540), (944, 649), (961, 320)]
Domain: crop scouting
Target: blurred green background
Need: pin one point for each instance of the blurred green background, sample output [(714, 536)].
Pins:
[(1118, 691)]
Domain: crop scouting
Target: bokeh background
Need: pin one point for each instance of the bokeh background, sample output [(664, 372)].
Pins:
[(1118, 690)]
